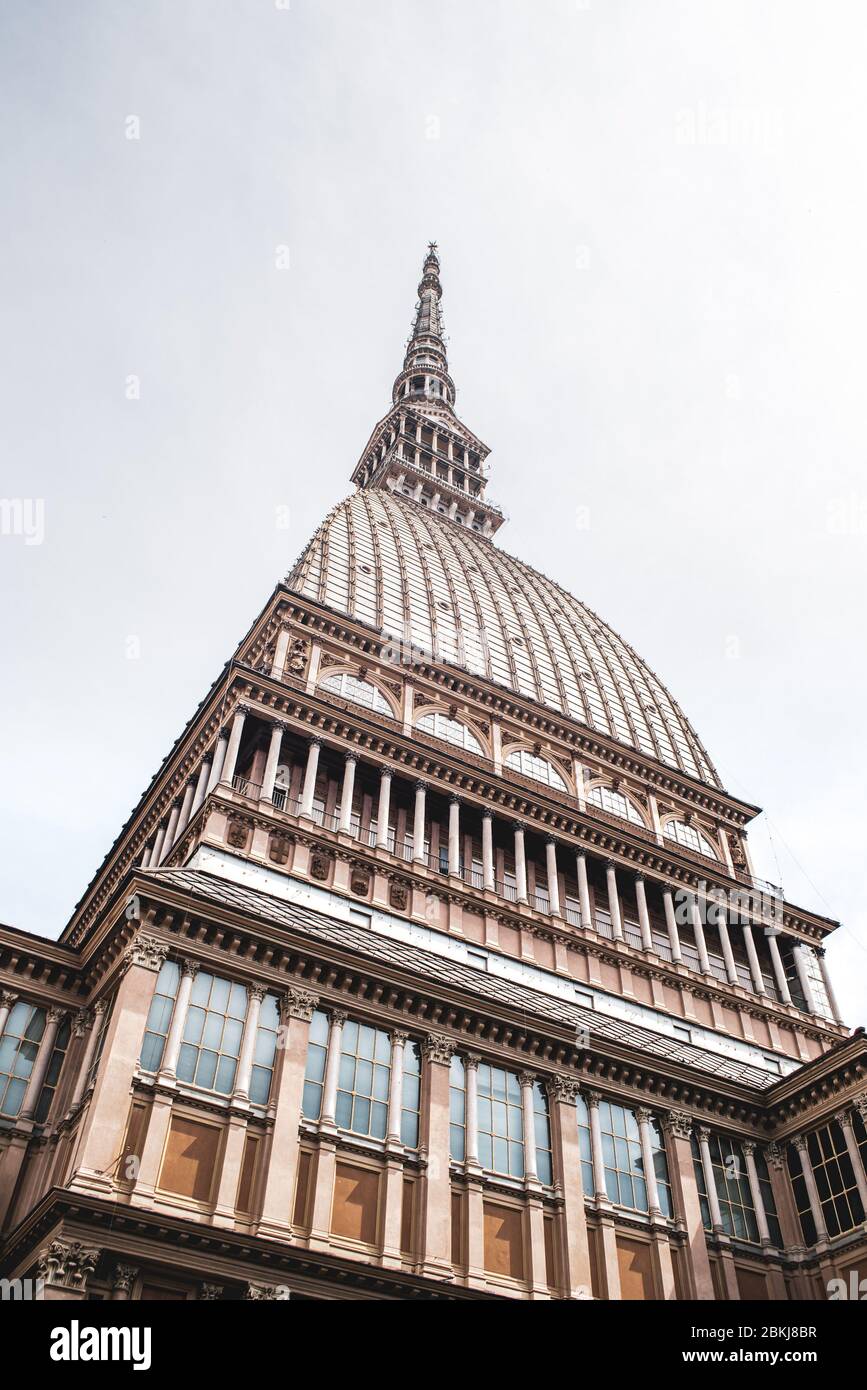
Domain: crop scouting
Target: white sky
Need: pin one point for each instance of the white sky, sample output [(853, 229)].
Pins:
[(651, 224)]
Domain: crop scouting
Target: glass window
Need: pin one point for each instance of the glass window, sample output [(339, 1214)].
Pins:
[(622, 1160), (615, 803), (457, 1110), (212, 1033), (542, 1127), (350, 688), (314, 1076), (501, 1141), (52, 1076), (160, 1016), (530, 765), (733, 1189), (451, 730), (265, 1051), (102, 1024), (690, 838), (411, 1095), (835, 1179), (363, 1080), (18, 1048)]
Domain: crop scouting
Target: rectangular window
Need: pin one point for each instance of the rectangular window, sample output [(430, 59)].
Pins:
[(835, 1179), (265, 1051), (733, 1189), (501, 1142), (542, 1127), (625, 1181), (160, 1016), (212, 1034), (102, 1023), (457, 1110), (314, 1075), (363, 1080), (18, 1048), (52, 1076)]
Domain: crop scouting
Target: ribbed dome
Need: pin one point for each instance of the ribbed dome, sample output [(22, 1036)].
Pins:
[(422, 579)]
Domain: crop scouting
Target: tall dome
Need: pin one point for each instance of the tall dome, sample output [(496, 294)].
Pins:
[(411, 554)]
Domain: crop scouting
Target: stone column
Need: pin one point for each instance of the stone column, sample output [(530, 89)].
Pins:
[(228, 772), (418, 853), (698, 932), (778, 968), (384, 809), (189, 971), (753, 957), (105, 1120), (454, 837), (437, 1186), (748, 1149), (531, 1172), (7, 1002), (201, 785), (583, 891), (488, 851), (520, 864), (296, 1014), (186, 810), (171, 830), (799, 1143), (395, 1087), (844, 1119), (157, 850), (281, 649), (54, 1018), (92, 1023), (671, 926), (806, 983), (643, 914), (328, 1113), (613, 900), (310, 772), (255, 996), (600, 1191), (219, 761), (829, 988), (728, 954), (553, 883), (703, 1135), (644, 1116), (269, 776), (471, 1118), (677, 1127), (563, 1093), (350, 763)]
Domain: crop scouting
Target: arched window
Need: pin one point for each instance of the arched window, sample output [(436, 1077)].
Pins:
[(530, 765), (615, 803), (690, 838), (441, 726), (349, 687)]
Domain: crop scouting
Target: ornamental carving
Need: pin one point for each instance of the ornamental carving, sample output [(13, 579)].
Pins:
[(210, 1293), (320, 865), (564, 1089), (738, 857), (299, 1003), (279, 849), (146, 951), (775, 1157), (398, 894), (359, 880), (267, 1292), (67, 1263), (124, 1277), (437, 1047), (237, 832), (298, 657), (678, 1124)]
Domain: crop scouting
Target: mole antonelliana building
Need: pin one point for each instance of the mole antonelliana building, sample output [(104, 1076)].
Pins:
[(432, 963)]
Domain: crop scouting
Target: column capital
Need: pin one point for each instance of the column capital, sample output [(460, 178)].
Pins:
[(594, 1099), (337, 1017), (210, 1293), (387, 772), (299, 1003), (350, 756), (399, 1036), (487, 813), (147, 951), (551, 840), (702, 1133), (67, 1263), (8, 998), (775, 1156), (678, 1124), (639, 877), (472, 1060), (454, 799), (748, 1147), (280, 724), (256, 992), (799, 1143), (860, 1104), (421, 785), (124, 1277), (314, 741), (526, 1078), (438, 1047), (191, 968), (519, 827), (55, 1015), (643, 1115), (845, 1118), (564, 1089)]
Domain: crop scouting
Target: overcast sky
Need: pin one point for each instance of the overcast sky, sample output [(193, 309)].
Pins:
[(650, 217)]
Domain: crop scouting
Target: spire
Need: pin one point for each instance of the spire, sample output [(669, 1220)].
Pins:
[(425, 363)]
